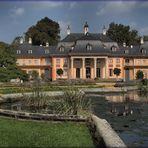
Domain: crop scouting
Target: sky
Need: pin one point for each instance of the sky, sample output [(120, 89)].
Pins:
[(17, 16)]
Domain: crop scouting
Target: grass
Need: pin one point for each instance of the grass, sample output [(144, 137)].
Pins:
[(44, 88), (16, 133)]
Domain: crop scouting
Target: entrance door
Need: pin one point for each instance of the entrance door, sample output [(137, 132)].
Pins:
[(47, 73), (127, 74), (77, 72), (98, 73), (88, 72)]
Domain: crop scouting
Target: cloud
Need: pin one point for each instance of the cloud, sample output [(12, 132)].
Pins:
[(116, 8), (63, 28), (17, 12), (46, 4), (72, 5)]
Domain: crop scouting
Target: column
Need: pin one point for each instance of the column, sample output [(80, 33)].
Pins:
[(106, 68), (53, 69), (83, 68), (71, 67), (95, 67)]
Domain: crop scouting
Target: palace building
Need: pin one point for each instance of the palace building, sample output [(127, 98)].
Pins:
[(84, 56)]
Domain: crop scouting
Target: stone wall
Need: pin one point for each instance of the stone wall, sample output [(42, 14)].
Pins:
[(104, 135)]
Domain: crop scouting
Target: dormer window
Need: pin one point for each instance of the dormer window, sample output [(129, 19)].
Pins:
[(30, 51), (46, 51), (126, 51), (61, 48), (18, 51), (113, 48), (143, 50), (89, 47)]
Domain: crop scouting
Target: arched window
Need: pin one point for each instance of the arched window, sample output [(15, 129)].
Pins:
[(126, 51), (143, 51), (88, 47), (61, 48), (113, 48)]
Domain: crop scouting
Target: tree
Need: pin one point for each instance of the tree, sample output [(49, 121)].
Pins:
[(16, 41), (35, 75), (60, 72), (121, 33), (46, 30), (139, 75), (8, 67), (117, 71)]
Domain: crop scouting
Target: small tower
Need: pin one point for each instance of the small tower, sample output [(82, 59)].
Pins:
[(141, 40), (30, 40), (86, 28), (124, 44), (21, 40), (47, 44), (68, 30), (104, 30)]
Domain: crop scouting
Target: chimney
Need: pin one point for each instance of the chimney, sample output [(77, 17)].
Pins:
[(86, 28), (30, 40), (47, 44), (124, 44), (141, 40), (41, 45), (131, 46), (104, 30), (68, 30)]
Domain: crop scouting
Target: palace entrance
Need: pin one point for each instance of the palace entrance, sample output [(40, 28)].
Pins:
[(78, 73), (88, 72)]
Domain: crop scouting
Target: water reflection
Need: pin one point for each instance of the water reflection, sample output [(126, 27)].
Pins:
[(127, 113)]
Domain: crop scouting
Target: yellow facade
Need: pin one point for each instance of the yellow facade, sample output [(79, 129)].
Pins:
[(85, 67)]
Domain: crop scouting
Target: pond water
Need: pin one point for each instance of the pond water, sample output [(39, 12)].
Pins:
[(127, 114)]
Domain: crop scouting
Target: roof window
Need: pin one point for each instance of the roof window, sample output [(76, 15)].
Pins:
[(30, 51), (61, 48), (89, 47), (143, 50), (18, 51), (113, 48)]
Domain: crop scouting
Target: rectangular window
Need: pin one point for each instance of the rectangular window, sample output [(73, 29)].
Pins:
[(36, 62), (29, 61), (110, 72), (57, 62), (65, 72), (117, 60), (110, 60), (65, 62), (47, 61), (23, 61), (126, 60), (18, 61)]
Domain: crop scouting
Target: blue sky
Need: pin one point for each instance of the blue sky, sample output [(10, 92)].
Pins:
[(17, 16)]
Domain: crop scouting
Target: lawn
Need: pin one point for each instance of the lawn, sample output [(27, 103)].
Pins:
[(16, 133)]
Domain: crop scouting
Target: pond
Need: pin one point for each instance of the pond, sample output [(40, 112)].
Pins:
[(127, 114)]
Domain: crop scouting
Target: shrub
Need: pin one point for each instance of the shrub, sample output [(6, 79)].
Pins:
[(139, 75), (73, 102), (117, 71), (60, 72)]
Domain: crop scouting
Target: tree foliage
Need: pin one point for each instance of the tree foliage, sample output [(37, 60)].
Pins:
[(46, 30), (139, 75), (122, 33), (117, 71), (8, 67)]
